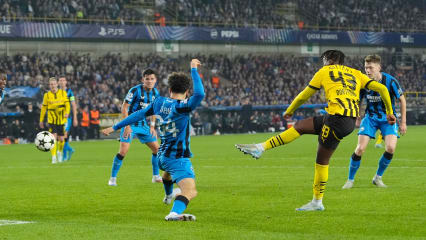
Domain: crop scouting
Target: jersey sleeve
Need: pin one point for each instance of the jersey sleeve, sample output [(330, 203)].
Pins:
[(156, 93), (71, 96), (195, 100), (396, 88), (130, 95), (315, 83), (365, 80), (135, 117)]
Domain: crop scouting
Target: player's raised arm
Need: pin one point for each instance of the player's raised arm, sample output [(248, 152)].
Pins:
[(302, 97), (132, 118), (384, 94), (198, 89)]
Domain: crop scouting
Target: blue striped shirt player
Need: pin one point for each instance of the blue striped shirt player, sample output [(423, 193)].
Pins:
[(375, 119), (173, 123), (139, 97), (72, 118)]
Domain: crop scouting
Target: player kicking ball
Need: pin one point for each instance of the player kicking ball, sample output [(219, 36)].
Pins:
[(138, 97), (375, 119), (173, 123), (342, 86)]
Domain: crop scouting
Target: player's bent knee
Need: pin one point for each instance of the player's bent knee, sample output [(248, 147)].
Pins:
[(390, 149), (359, 150)]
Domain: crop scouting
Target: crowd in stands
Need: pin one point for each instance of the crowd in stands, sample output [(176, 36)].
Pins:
[(36, 10), (392, 15), (101, 83), (266, 80)]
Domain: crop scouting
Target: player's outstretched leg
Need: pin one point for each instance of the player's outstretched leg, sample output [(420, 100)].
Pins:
[(256, 150), (188, 192)]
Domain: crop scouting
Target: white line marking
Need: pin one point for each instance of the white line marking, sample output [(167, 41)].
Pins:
[(12, 222)]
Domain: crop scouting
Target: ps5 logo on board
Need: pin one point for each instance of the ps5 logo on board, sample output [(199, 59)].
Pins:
[(112, 31)]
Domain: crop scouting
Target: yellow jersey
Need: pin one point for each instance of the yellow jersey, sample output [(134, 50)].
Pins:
[(56, 105), (342, 86)]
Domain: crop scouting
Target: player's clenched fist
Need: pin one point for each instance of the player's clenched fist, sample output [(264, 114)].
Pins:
[(195, 63)]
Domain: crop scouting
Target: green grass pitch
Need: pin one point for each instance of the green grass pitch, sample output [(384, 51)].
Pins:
[(239, 197)]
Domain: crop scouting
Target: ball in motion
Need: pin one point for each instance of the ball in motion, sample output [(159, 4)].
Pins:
[(44, 141)]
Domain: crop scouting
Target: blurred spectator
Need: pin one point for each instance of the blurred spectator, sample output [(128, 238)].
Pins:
[(217, 124), (31, 119), (84, 117), (94, 124), (197, 124)]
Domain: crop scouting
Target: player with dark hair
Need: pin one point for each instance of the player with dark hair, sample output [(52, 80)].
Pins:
[(375, 119), (3, 81), (57, 106), (138, 97), (342, 86), (72, 119), (173, 116)]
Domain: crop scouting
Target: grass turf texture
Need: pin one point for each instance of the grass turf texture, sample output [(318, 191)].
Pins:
[(239, 197)]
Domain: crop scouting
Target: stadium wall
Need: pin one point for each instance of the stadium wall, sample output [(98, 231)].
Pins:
[(11, 47)]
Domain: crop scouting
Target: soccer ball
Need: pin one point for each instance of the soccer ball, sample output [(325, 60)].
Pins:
[(44, 141)]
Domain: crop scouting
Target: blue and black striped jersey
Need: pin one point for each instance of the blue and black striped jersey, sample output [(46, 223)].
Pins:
[(138, 98), (375, 106), (173, 120)]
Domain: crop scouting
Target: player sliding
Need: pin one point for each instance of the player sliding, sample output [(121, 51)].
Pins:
[(342, 87), (375, 119), (173, 124), (57, 106), (138, 97)]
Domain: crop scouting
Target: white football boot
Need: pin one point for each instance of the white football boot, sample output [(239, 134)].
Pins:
[(255, 150), (348, 184), (54, 161), (59, 156), (180, 217), (169, 198), (157, 179), (311, 206), (112, 181), (377, 180)]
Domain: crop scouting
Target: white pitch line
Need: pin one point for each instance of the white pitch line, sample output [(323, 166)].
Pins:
[(276, 167), (12, 222)]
